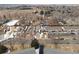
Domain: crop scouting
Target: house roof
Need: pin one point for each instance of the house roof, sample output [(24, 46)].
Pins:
[(11, 23), (4, 21)]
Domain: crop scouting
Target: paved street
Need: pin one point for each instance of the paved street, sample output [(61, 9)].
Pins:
[(46, 51)]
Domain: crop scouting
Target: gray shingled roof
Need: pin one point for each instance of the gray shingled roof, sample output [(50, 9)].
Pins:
[(4, 21)]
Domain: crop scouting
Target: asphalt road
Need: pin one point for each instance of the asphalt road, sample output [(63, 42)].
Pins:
[(46, 51)]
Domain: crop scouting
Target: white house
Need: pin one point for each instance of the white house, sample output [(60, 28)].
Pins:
[(11, 33)]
